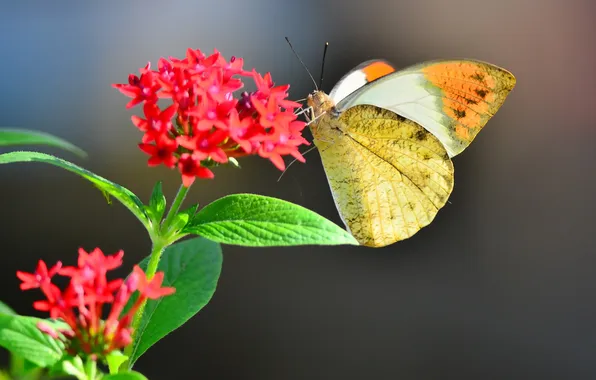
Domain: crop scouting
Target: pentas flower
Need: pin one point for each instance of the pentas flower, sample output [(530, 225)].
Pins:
[(81, 304), (205, 124)]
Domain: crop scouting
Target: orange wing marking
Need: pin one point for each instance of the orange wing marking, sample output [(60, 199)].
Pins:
[(377, 70)]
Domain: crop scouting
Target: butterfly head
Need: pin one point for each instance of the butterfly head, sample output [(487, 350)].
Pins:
[(321, 103)]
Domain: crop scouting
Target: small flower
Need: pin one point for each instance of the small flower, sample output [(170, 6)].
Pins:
[(266, 89), (211, 114), (161, 152), (143, 88), (158, 123), (40, 277), (206, 144), (48, 330), (151, 288), (271, 116), (55, 303), (206, 123), (240, 130), (81, 303), (190, 167)]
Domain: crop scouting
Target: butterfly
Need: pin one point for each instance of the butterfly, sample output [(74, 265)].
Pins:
[(386, 138)]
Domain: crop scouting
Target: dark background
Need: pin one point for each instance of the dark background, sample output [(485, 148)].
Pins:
[(502, 285)]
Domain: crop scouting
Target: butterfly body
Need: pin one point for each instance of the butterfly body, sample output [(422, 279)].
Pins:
[(386, 138)]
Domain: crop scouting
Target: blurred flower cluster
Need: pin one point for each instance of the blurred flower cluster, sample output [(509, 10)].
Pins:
[(82, 303), (206, 125)]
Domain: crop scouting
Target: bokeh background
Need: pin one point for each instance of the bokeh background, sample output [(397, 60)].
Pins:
[(501, 286)]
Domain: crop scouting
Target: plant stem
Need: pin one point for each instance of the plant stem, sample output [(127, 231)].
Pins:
[(159, 245), (182, 191), (156, 251), (91, 369)]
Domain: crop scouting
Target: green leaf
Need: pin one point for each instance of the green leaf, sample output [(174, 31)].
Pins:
[(20, 336), (125, 196), (22, 368), (29, 367), (183, 217), (259, 221), (5, 309), (192, 267), (157, 202), (128, 375), (115, 359), (70, 365), (18, 136), (191, 211)]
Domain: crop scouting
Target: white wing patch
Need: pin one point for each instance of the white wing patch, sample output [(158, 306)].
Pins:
[(347, 85), (407, 95)]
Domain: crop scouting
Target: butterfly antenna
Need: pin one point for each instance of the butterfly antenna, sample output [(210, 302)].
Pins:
[(323, 64), (294, 160), (303, 64)]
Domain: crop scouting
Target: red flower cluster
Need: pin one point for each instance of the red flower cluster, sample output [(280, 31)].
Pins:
[(210, 124), (82, 303)]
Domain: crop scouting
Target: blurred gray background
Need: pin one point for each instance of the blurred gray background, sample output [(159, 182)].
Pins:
[(501, 286)]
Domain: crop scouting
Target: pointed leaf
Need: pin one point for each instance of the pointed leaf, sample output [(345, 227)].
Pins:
[(157, 202), (193, 268), (115, 359), (182, 218), (259, 221), (20, 335), (22, 368), (17, 136), (191, 211), (5, 309), (29, 367), (125, 196), (70, 365)]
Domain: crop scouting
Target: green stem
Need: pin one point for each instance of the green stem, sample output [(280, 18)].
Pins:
[(182, 191), (91, 369), (156, 251), (159, 245)]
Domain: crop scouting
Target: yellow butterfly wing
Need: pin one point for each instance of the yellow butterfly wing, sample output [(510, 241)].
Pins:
[(453, 99), (388, 175)]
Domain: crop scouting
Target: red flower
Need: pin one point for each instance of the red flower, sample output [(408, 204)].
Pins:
[(162, 152), (158, 122), (140, 89), (271, 116), (211, 114), (190, 167), (216, 87), (55, 302), (81, 303), (151, 288), (205, 145), (274, 150), (240, 130), (266, 89), (211, 123), (41, 276)]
